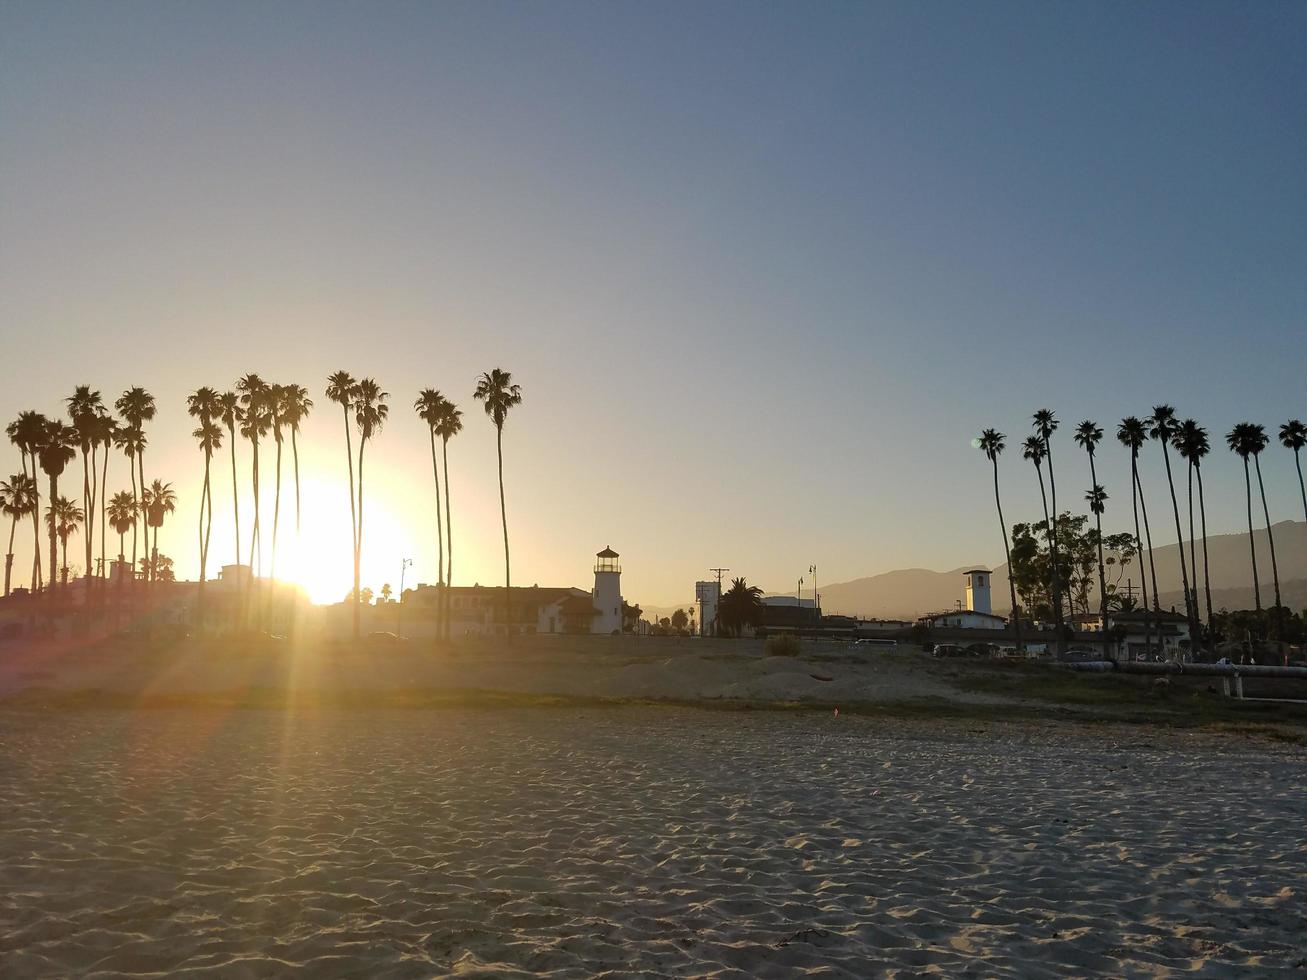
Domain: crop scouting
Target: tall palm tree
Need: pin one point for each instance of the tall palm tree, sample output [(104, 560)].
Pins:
[(1193, 444), (1132, 434), (370, 414), (430, 408), (1034, 450), (497, 390), (1241, 440), (295, 408), (106, 429), (26, 432), (131, 440), (254, 401), (63, 517), (1163, 428), (1088, 435), (84, 409), (17, 496), (56, 452), (450, 425), (122, 515), (136, 407), (1257, 441), (340, 389), (276, 402), (160, 501), (203, 405), (1045, 424), (232, 415), (739, 606), (991, 443), (1293, 435)]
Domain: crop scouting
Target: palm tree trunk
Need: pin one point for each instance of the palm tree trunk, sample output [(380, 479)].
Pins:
[(1148, 538), (503, 517), (440, 531), (1193, 541), (449, 544), (36, 524), (104, 506), (63, 572), (145, 525), (256, 557), (295, 455), (358, 540), (88, 511), (1179, 545), (1054, 594), (1007, 552), (1275, 569), (1102, 575), (1302, 488), (276, 516), (9, 557), (235, 495), (1056, 554), (54, 553), (1207, 575), (1252, 541), (206, 499), (1135, 497), (349, 458), (136, 511)]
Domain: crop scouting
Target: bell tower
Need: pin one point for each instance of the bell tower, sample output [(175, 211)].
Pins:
[(978, 590)]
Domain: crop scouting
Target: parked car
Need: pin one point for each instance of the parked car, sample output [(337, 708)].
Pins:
[(949, 650)]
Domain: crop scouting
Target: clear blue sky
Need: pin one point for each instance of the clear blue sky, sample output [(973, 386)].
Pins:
[(763, 270)]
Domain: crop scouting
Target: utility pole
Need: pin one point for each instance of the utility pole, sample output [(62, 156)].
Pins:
[(719, 572)]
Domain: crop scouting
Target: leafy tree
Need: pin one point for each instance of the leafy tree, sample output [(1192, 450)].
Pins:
[(680, 621)]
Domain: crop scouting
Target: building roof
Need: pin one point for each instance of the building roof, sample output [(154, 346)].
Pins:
[(965, 612), (607, 553), (974, 571)]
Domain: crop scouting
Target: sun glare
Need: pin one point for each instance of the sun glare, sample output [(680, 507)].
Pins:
[(319, 559)]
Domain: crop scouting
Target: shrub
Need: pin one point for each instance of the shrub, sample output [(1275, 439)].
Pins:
[(784, 645)]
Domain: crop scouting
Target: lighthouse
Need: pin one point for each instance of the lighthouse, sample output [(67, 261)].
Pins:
[(607, 593)]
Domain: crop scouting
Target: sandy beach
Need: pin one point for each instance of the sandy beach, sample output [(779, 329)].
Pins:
[(637, 840)]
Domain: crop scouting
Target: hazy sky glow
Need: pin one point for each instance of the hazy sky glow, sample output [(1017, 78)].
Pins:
[(763, 271)]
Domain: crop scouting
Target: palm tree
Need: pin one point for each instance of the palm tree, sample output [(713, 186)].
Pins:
[(56, 452), (1241, 440), (1163, 429), (131, 440), (739, 606), (122, 515), (106, 429), (1193, 444), (17, 498), (1034, 450), (430, 408), (254, 402), (203, 404), (231, 415), (276, 401), (159, 501), (136, 406), (370, 414), (1293, 435), (497, 390), (63, 517), (84, 409), (1088, 435), (340, 389), (450, 425), (26, 432), (1045, 423), (1131, 433), (991, 443), (295, 408), (1257, 441)]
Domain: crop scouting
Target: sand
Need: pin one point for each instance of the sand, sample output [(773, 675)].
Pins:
[(638, 840)]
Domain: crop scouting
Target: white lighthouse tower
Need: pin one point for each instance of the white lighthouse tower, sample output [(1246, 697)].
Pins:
[(978, 590), (607, 593)]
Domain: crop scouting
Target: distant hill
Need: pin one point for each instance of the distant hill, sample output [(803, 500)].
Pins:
[(911, 592)]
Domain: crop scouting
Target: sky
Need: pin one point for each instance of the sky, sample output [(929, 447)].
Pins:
[(763, 271)]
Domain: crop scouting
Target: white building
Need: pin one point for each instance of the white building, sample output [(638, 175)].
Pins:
[(607, 593), (707, 594), (967, 619), (978, 590)]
